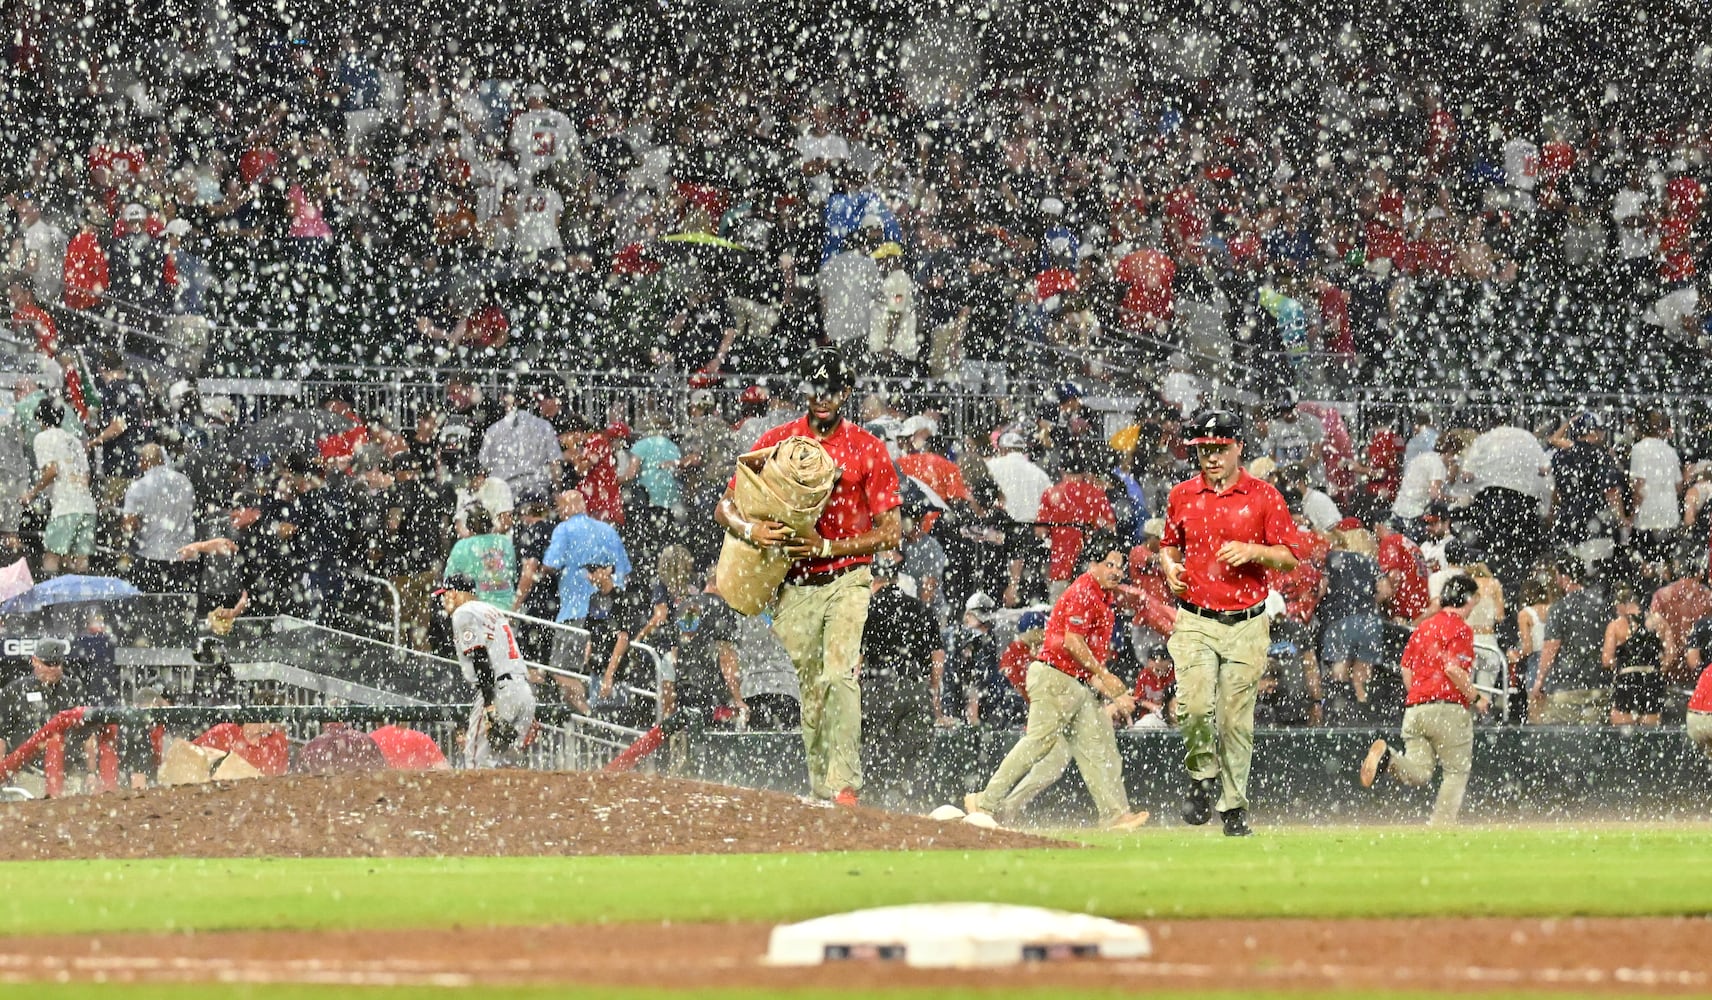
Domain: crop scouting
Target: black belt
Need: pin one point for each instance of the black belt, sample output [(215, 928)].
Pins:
[(822, 579), (1224, 617), (505, 677)]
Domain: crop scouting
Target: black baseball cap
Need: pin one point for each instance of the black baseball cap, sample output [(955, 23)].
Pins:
[(1213, 427), (1158, 651), (456, 582), (52, 651), (827, 370)]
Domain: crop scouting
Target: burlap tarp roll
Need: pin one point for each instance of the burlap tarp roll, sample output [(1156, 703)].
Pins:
[(790, 483)]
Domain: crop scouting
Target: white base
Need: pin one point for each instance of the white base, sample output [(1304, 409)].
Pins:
[(946, 814), (955, 936)]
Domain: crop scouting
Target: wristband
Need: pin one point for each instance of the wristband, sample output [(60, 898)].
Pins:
[(749, 531), (826, 548)]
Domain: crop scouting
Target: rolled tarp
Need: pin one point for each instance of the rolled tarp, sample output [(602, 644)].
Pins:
[(789, 482)]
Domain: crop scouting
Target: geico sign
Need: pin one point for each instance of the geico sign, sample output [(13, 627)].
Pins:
[(18, 647)]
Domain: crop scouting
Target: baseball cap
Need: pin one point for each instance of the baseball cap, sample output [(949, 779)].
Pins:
[(1012, 440), (1030, 620), (134, 213), (1158, 651), (1585, 422), (1349, 524), (701, 397), (827, 370), (535, 90), (178, 227), (916, 424), (754, 394), (618, 430), (457, 583), (1437, 510), (1067, 391), (886, 250), (980, 605), (1213, 427), (52, 651)]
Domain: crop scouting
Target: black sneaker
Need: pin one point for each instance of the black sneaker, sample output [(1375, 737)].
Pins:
[(1236, 823), (1198, 804)]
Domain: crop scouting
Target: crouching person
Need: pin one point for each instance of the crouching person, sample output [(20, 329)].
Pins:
[(488, 655)]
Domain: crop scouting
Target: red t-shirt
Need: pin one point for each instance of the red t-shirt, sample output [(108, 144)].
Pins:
[(1199, 520), (33, 322), (1086, 610), (941, 474), (85, 272), (1439, 642), (407, 749), (1150, 686), (1702, 699), (1150, 298), (271, 755), (867, 487), (599, 485), (1397, 554), (345, 443), (1072, 502)]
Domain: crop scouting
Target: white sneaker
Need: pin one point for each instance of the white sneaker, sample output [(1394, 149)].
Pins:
[(946, 813)]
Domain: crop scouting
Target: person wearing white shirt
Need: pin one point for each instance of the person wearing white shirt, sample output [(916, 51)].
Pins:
[(537, 228), (541, 136), (1425, 479), (1021, 481), (62, 463), (1511, 477), (522, 449), (1320, 510), (160, 516), (1656, 472), (490, 492)]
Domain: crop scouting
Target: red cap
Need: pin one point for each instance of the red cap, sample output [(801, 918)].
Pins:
[(1349, 524), (618, 430), (753, 394)]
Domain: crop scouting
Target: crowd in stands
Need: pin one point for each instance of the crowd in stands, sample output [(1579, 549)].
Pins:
[(1188, 230)]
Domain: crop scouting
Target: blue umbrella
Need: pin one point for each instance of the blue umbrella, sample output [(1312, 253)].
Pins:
[(68, 590)]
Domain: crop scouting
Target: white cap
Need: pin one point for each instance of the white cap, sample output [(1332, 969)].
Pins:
[(907, 584), (1051, 206), (917, 424), (219, 406), (1013, 441), (980, 605), (701, 397), (178, 227), (535, 90), (177, 391), (134, 211)]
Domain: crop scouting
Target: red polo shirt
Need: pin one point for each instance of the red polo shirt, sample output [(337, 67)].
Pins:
[(1086, 610), (1397, 554), (1067, 504), (1702, 699), (1199, 520), (867, 486), (1440, 641)]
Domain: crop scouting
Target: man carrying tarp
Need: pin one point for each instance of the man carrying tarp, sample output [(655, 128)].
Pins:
[(823, 606)]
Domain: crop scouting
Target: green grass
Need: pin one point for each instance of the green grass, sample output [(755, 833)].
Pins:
[(1386, 871)]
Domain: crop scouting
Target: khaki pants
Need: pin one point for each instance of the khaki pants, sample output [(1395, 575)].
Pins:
[(1442, 732), (1580, 707), (1700, 730), (821, 629), (1218, 669), (1064, 722)]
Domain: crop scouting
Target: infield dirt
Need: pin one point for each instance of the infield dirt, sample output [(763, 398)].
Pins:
[(454, 813)]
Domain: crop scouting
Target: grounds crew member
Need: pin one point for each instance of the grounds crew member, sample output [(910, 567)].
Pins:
[(29, 702), (1065, 719), (1223, 530), (823, 605), (487, 654), (1700, 712), (1438, 723)]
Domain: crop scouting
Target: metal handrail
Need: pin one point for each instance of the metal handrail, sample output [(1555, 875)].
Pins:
[(652, 653)]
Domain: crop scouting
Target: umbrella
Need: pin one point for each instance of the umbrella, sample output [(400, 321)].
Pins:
[(68, 590), (285, 433)]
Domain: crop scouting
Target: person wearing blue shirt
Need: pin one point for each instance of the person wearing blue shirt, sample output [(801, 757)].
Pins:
[(578, 540)]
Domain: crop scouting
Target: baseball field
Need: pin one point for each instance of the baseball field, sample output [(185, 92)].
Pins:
[(1597, 909)]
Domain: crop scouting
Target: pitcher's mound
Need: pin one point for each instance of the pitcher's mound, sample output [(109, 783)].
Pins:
[(417, 813)]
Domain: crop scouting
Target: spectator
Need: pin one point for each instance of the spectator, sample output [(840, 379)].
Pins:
[(1655, 476), (903, 678), (488, 493), (1022, 482), (486, 556), (1569, 686), (1426, 478), (521, 449), (159, 512), (1631, 652), (1351, 644), (27, 703), (615, 614), (577, 540), (1587, 494), (63, 469), (1073, 507)]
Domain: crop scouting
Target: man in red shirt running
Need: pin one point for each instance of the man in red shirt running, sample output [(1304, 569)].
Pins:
[(823, 606), (1065, 719), (1438, 723), (1224, 530)]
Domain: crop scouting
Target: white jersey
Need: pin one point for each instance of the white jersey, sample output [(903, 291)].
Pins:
[(479, 625), (542, 138)]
